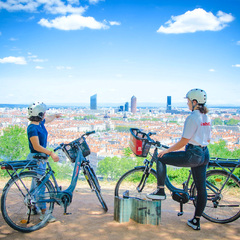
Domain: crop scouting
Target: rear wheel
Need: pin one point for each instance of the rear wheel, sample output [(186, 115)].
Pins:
[(223, 197), (20, 208)]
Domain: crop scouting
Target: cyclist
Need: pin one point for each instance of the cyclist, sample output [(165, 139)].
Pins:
[(195, 138), (37, 138)]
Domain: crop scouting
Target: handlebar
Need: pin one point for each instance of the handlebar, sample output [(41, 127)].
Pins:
[(144, 135), (74, 141)]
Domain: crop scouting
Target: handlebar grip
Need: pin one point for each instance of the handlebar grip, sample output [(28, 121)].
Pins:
[(89, 133), (57, 148)]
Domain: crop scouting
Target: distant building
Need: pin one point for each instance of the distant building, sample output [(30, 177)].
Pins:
[(126, 107), (121, 109), (93, 102), (133, 104), (169, 103)]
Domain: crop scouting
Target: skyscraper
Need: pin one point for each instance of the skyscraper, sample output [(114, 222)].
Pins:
[(169, 103), (133, 104), (126, 107), (93, 102)]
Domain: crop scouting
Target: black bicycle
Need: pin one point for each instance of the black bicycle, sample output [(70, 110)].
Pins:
[(20, 197), (223, 187)]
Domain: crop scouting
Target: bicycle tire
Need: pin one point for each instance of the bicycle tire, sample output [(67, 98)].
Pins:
[(95, 186), (221, 207), (16, 197), (128, 183)]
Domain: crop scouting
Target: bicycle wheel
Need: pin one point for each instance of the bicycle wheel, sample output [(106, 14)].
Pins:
[(94, 185), (18, 203), (223, 197), (135, 183)]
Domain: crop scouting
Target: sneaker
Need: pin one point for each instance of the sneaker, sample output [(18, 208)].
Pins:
[(194, 223), (34, 211), (159, 194), (50, 219)]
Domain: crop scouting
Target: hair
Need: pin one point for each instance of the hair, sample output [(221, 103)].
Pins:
[(35, 119), (202, 108)]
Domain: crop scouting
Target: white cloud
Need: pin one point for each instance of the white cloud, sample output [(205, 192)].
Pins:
[(63, 67), (112, 23), (51, 6), (13, 39), (211, 70), (238, 42), (15, 60), (39, 67), (72, 22), (95, 1), (196, 20), (236, 65)]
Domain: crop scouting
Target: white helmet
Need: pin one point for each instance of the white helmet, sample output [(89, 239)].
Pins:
[(197, 94), (37, 109)]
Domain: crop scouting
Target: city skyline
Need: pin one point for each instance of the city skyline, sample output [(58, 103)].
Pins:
[(66, 51)]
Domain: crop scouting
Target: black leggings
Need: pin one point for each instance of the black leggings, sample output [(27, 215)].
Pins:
[(195, 157)]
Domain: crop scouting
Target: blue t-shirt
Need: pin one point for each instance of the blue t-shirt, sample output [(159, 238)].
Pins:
[(40, 131)]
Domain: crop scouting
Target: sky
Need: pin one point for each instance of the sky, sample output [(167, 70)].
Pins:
[(66, 51)]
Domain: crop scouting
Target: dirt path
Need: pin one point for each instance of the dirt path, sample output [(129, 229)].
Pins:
[(89, 222)]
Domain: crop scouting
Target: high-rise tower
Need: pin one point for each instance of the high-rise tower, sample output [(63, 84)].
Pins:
[(93, 102), (126, 107), (169, 103), (133, 104)]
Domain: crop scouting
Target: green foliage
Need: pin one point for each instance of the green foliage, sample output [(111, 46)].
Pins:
[(122, 128), (88, 117), (14, 143), (231, 122), (217, 121), (178, 175), (61, 171), (115, 167)]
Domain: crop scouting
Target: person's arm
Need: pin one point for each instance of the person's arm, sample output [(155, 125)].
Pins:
[(35, 143), (50, 118), (178, 145)]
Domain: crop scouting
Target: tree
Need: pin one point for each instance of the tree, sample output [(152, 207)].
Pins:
[(217, 121), (14, 143)]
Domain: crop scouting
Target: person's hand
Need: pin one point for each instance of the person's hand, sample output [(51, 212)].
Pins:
[(58, 115), (162, 153), (55, 157)]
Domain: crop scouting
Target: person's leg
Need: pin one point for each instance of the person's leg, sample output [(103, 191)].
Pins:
[(199, 177), (179, 158)]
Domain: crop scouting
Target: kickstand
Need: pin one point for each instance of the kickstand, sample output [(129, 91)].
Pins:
[(181, 209), (65, 206)]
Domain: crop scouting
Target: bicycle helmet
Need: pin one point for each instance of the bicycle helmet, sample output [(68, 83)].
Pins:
[(197, 94), (37, 109)]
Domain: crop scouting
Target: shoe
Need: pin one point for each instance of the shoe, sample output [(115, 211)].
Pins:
[(50, 219), (194, 223), (34, 211), (159, 194)]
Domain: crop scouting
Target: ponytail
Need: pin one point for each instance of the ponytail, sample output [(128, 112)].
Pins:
[(202, 108)]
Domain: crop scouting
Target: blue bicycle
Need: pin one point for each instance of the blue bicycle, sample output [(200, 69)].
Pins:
[(223, 187), (20, 199)]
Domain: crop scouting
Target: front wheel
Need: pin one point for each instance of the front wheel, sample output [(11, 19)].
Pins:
[(94, 185), (223, 197), (136, 183), (19, 205)]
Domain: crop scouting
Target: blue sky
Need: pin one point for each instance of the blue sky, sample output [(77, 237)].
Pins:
[(65, 51)]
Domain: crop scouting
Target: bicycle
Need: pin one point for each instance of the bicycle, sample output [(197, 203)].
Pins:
[(223, 187), (20, 198)]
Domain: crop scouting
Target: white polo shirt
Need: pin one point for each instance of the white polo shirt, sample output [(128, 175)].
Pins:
[(197, 128)]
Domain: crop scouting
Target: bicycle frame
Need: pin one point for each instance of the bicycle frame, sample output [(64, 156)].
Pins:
[(63, 198)]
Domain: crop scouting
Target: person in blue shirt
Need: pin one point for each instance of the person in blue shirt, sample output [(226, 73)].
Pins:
[(195, 138), (37, 139)]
